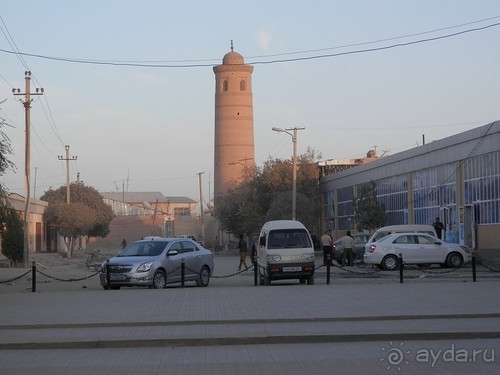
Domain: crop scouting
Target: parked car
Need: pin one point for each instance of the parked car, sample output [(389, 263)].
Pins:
[(360, 239), (416, 248), (156, 261), (405, 228)]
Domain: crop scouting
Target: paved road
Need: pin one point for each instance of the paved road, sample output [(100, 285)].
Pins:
[(352, 326)]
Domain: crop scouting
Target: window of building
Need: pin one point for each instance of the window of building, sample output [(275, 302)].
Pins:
[(182, 211), (225, 85), (482, 187), (243, 85)]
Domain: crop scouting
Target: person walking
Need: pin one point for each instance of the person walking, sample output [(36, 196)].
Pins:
[(347, 255), (439, 227), (327, 244), (243, 248)]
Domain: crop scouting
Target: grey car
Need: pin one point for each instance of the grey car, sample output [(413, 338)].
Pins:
[(156, 261), (360, 239)]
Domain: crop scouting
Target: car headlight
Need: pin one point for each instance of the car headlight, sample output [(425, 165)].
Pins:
[(273, 258), (145, 267), (307, 256)]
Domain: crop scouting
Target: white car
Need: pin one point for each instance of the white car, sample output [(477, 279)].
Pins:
[(415, 248)]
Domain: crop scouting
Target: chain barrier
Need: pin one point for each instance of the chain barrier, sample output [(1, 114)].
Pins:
[(416, 268), (15, 278), (66, 280), (234, 273), (489, 268), (342, 268)]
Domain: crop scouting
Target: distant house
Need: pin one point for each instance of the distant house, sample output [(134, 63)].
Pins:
[(148, 203)]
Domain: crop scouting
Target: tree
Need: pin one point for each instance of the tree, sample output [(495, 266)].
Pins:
[(86, 215), (268, 196), (368, 214), (5, 165), (13, 237)]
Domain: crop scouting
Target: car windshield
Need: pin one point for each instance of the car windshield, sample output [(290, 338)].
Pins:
[(144, 248), (288, 238)]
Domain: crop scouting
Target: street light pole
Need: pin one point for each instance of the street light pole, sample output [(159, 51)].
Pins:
[(294, 175)]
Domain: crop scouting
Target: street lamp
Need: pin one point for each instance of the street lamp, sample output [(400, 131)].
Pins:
[(294, 178)]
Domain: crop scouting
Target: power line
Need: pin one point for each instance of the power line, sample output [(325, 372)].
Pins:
[(258, 62)]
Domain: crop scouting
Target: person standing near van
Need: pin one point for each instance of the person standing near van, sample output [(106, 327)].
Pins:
[(327, 244), (347, 255), (439, 227), (242, 247)]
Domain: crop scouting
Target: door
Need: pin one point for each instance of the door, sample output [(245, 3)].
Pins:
[(429, 250)]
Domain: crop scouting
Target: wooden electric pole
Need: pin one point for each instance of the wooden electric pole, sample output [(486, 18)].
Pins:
[(67, 158), (27, 105), (201, 206)]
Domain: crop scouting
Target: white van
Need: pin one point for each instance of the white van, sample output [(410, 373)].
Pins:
[(384, 231), (285, 251)]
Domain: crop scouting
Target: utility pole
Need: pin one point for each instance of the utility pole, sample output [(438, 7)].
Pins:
[(201, 207), (27, 105), (67, 158)]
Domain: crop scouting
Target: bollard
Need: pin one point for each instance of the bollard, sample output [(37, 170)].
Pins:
[(183, 272), (474, 266), (255, 270), (401, 266), (108, 274), (328, 265), (33, 277)]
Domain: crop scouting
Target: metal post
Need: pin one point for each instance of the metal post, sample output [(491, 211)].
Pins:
[(400, 268), (255, 270), (294, 176), (108, 274), (328, 265), (473, 266), (33, 277), (183, 272)]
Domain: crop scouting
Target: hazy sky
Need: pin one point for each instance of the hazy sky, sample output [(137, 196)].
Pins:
[(155, 125)]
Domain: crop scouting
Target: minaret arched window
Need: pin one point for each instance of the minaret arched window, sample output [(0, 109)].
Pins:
[(243, 85), (224, 85)]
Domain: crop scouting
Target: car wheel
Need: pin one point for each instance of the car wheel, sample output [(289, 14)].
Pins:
[(105, 287), (302, 281), (390, 262), (115, 288), (310, 280), (159, 280), (204, 277), (454, 260)]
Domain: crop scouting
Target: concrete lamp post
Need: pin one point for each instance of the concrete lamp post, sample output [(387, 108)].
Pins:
[(294, 178)]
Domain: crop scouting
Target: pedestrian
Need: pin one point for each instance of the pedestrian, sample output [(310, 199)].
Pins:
[(242, 247), (347, 255), (439, 227), (327, 244), (253, 251)]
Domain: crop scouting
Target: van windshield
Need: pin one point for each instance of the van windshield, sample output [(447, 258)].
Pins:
[(288, 239)]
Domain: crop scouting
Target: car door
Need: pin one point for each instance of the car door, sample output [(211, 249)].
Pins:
[(430, 249), (192, 258), (174, 262), (406, 245)]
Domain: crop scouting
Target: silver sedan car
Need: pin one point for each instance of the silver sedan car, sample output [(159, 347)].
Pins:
[(156, 261), (415, 248)]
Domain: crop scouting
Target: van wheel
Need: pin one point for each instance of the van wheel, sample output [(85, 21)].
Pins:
[(267, 280), (310, 280), (302, 281)]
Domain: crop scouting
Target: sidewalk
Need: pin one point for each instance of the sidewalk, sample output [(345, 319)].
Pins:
[(245, 329)]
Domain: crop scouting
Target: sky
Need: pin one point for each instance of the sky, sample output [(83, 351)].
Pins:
[(129, 87)]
